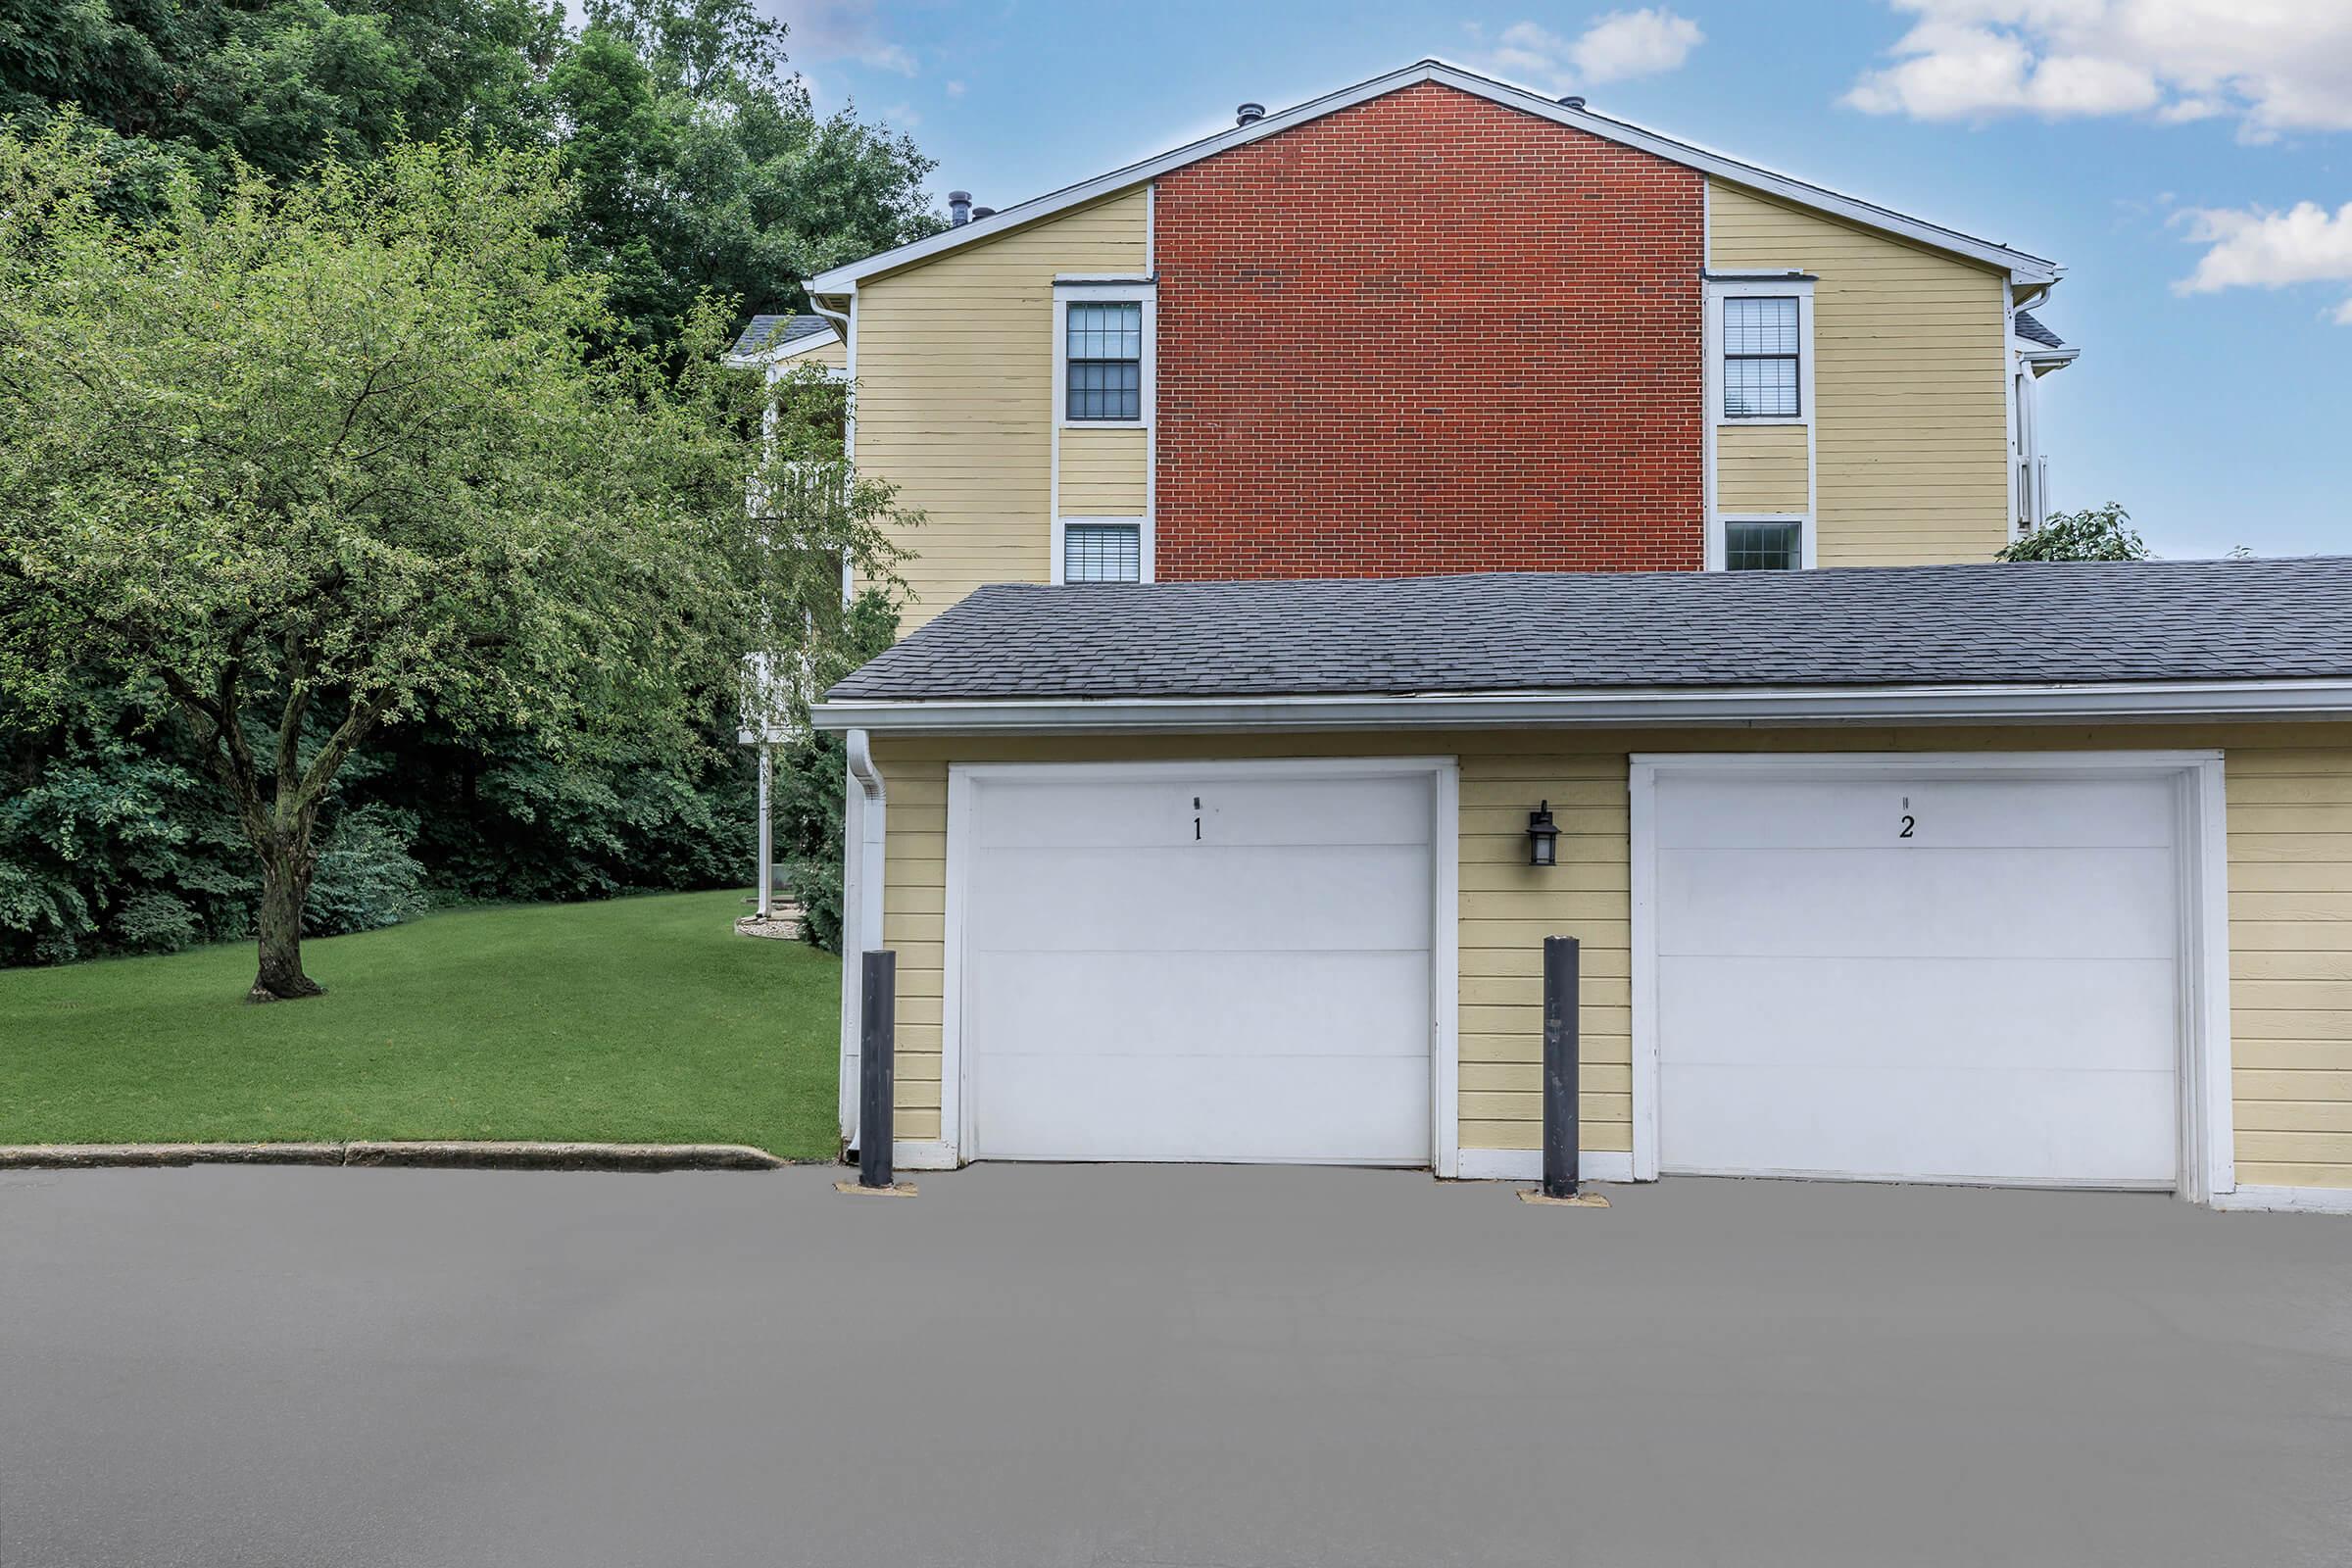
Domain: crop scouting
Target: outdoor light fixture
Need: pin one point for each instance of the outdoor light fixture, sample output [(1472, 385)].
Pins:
[(1542, 838)]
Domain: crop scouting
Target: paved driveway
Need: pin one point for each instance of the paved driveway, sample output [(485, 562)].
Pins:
[(1129, 1366)]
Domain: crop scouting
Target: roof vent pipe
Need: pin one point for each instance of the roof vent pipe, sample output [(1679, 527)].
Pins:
[(1573, 101), (959, 207), (1248, 113), (978, 213)]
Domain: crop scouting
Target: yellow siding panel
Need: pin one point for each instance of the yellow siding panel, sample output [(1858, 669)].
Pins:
[(1911, 411), (955, 394), (834, 356), (1105, 474), (1760, 468), (2291, 952)]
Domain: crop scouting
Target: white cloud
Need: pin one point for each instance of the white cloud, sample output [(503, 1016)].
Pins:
[(841, 29), (1616, 46), (902, 116), (2255, 247), (2276, 64), (955, 89)]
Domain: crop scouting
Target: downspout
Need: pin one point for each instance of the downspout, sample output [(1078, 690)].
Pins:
[(865, 823), (839, 319)]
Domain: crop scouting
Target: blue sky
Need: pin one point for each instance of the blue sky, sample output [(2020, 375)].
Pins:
[(2188, 160)]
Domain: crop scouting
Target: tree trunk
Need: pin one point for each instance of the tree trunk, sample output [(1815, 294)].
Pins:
[(285, 883)]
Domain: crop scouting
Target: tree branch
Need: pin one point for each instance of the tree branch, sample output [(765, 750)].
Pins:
[(355, 728), (289, 723)]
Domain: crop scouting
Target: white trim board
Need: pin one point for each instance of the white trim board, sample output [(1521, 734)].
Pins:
[(2207, 1164), (2057, 701), (1527, 1165), (2286, 1199), (2023, 267), (964, 779)]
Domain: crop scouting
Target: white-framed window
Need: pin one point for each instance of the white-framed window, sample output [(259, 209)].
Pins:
[(1760, 341), (1099, 550), (1104, 352), (1761, 357), (1759, 369), (1762, 544)]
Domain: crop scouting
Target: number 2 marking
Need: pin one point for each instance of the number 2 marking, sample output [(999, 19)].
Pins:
[(1909, 822)]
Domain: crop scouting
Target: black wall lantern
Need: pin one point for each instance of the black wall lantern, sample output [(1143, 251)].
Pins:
[(1542, 838)]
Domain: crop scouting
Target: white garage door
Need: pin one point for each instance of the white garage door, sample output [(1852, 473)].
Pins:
[(1926, 976), (1223, 963)]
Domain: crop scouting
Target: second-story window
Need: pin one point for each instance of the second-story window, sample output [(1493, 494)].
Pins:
[(1105, 355), (1761, 347)]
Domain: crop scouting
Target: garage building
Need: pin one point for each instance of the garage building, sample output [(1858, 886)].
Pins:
[(2032, 875)]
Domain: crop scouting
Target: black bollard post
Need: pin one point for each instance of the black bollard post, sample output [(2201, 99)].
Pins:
[(877, 1046), (1560, 1051)]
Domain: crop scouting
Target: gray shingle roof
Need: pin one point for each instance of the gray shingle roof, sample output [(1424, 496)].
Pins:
[(1995, 624), (764, 332), (2030, 327)]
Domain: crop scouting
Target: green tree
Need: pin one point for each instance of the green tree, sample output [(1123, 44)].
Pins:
[(316, 462), (695, 160), (700, 167), (2096, 534), (281, 85), (811, 775)]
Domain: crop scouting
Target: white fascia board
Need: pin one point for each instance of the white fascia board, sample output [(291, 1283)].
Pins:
[(2043, 358), (2116, 702), (2023, 267)]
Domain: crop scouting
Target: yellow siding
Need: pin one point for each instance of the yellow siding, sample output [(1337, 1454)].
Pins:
[(956, 395), (2290, 960), (2289, 794), (834, 356), (1911, 417), (1103, 472), (915, 894), (1760, 468)]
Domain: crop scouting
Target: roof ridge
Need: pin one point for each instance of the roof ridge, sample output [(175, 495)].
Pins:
[(2024, 266)]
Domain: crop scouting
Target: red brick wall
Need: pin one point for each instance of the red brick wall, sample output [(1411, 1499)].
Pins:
[(1428, 334)]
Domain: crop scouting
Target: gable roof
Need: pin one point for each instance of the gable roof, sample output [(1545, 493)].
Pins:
[(767, 334), (2029, 326), (2023, 266), (2037, 625)]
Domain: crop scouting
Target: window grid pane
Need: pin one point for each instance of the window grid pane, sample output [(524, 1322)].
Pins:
[(1104, 347), (1759, 326), (1763, 389), (1106, 389), (1761, 546), (1106, 331), (1761, 344), (1102, 552)]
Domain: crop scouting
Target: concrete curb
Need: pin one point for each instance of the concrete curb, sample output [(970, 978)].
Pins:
[(444, 1156)]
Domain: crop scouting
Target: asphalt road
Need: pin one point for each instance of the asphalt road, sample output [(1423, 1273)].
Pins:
[(1131, 1367)]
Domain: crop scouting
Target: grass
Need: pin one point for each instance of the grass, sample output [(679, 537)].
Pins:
[(643, 1019)]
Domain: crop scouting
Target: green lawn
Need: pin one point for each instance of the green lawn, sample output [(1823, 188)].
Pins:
[(638, 1019)]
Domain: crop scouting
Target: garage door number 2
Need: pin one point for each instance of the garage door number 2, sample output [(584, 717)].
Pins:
[(1909, 821)]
